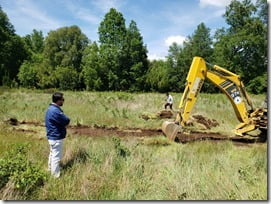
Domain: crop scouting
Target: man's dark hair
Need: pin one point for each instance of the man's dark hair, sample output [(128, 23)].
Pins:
[(57, 96)]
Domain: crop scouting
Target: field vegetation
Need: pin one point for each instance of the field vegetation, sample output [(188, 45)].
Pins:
[(124, 168)]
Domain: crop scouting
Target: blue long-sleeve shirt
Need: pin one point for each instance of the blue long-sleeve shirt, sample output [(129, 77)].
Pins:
[(56, 122)]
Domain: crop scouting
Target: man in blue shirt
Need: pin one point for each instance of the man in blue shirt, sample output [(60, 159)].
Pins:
[(55, 122)]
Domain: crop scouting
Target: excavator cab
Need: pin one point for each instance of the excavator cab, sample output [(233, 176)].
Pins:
[(230, 84)]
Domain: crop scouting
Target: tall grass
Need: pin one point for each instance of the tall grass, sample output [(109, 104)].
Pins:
[(114, 109), (152, 169), (130, 168)]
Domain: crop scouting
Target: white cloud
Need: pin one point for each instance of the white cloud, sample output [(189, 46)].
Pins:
[(214, 3), (26, 16), (174, 38), (155, 56), (31, 11), (82, 13)]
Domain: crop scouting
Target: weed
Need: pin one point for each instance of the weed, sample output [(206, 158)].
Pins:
[(121, 150), (15, 169)]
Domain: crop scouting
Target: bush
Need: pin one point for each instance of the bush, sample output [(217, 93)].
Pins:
[(67, 78), (15, 168), (258, 85)]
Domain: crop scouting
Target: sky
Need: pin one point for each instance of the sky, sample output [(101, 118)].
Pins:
[(160, 22)]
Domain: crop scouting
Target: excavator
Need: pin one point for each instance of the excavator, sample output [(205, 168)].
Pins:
[(231, 85)]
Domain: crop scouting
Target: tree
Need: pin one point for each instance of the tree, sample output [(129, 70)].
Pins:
[(112, 32), (35, 41), (120, 62), (91, 68), (29, 71), (180, 58), (12, 53), (175, 71), (262, 11), (157, 77), (135, 55), (242, 48), (63, 50)]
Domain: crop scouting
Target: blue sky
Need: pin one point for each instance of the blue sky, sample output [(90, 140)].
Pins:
[(161, 22)]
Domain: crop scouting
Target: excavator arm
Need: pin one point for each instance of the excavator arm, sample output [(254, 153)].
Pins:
[(228, 82)]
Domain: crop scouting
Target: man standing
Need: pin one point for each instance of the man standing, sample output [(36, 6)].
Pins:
[(169, 101), (55, 122)]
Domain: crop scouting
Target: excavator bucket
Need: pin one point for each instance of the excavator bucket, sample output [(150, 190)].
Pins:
[(170, 129)]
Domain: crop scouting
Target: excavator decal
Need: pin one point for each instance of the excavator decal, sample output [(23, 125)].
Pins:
[(234, 93)]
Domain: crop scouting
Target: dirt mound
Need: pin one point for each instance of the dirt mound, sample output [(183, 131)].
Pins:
[(160, 115), (208, 123), (165, 114), (13, 121)]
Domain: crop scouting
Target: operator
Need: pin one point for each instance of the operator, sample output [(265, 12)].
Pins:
[(55, 122), (169, 101)]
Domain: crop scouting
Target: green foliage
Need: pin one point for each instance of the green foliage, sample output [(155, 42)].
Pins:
[(258, 85), (171, 75), (242, 48), (112, 29), (120, 149), (12, 53), (262, 10), (63, 50), (16, 168), (67, 78), (157, 76), (64, 47), (135, 64), (119, 62), (29, 71), (91, 69), (35, 41)]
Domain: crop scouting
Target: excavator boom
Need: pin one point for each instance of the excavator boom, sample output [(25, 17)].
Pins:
[(228, 82)]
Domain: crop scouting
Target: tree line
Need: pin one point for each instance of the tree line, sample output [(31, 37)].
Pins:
[(68, 60)]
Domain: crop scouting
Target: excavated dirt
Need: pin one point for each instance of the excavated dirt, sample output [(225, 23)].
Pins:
[(97, 131), (160, 115), (208, 123), (181, 137), (104, 131)]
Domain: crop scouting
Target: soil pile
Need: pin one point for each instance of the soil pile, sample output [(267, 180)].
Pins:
[(208, 123), (160, 115)]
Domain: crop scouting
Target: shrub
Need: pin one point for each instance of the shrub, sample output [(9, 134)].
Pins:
[(17, 169), (258, 85)]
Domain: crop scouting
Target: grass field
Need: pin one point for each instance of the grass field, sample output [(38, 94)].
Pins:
[(131, 168)]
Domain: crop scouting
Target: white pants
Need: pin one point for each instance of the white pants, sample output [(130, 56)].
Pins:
[(55, 157)]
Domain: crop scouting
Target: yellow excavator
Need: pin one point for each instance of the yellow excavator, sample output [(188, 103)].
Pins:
[(231, 85)]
